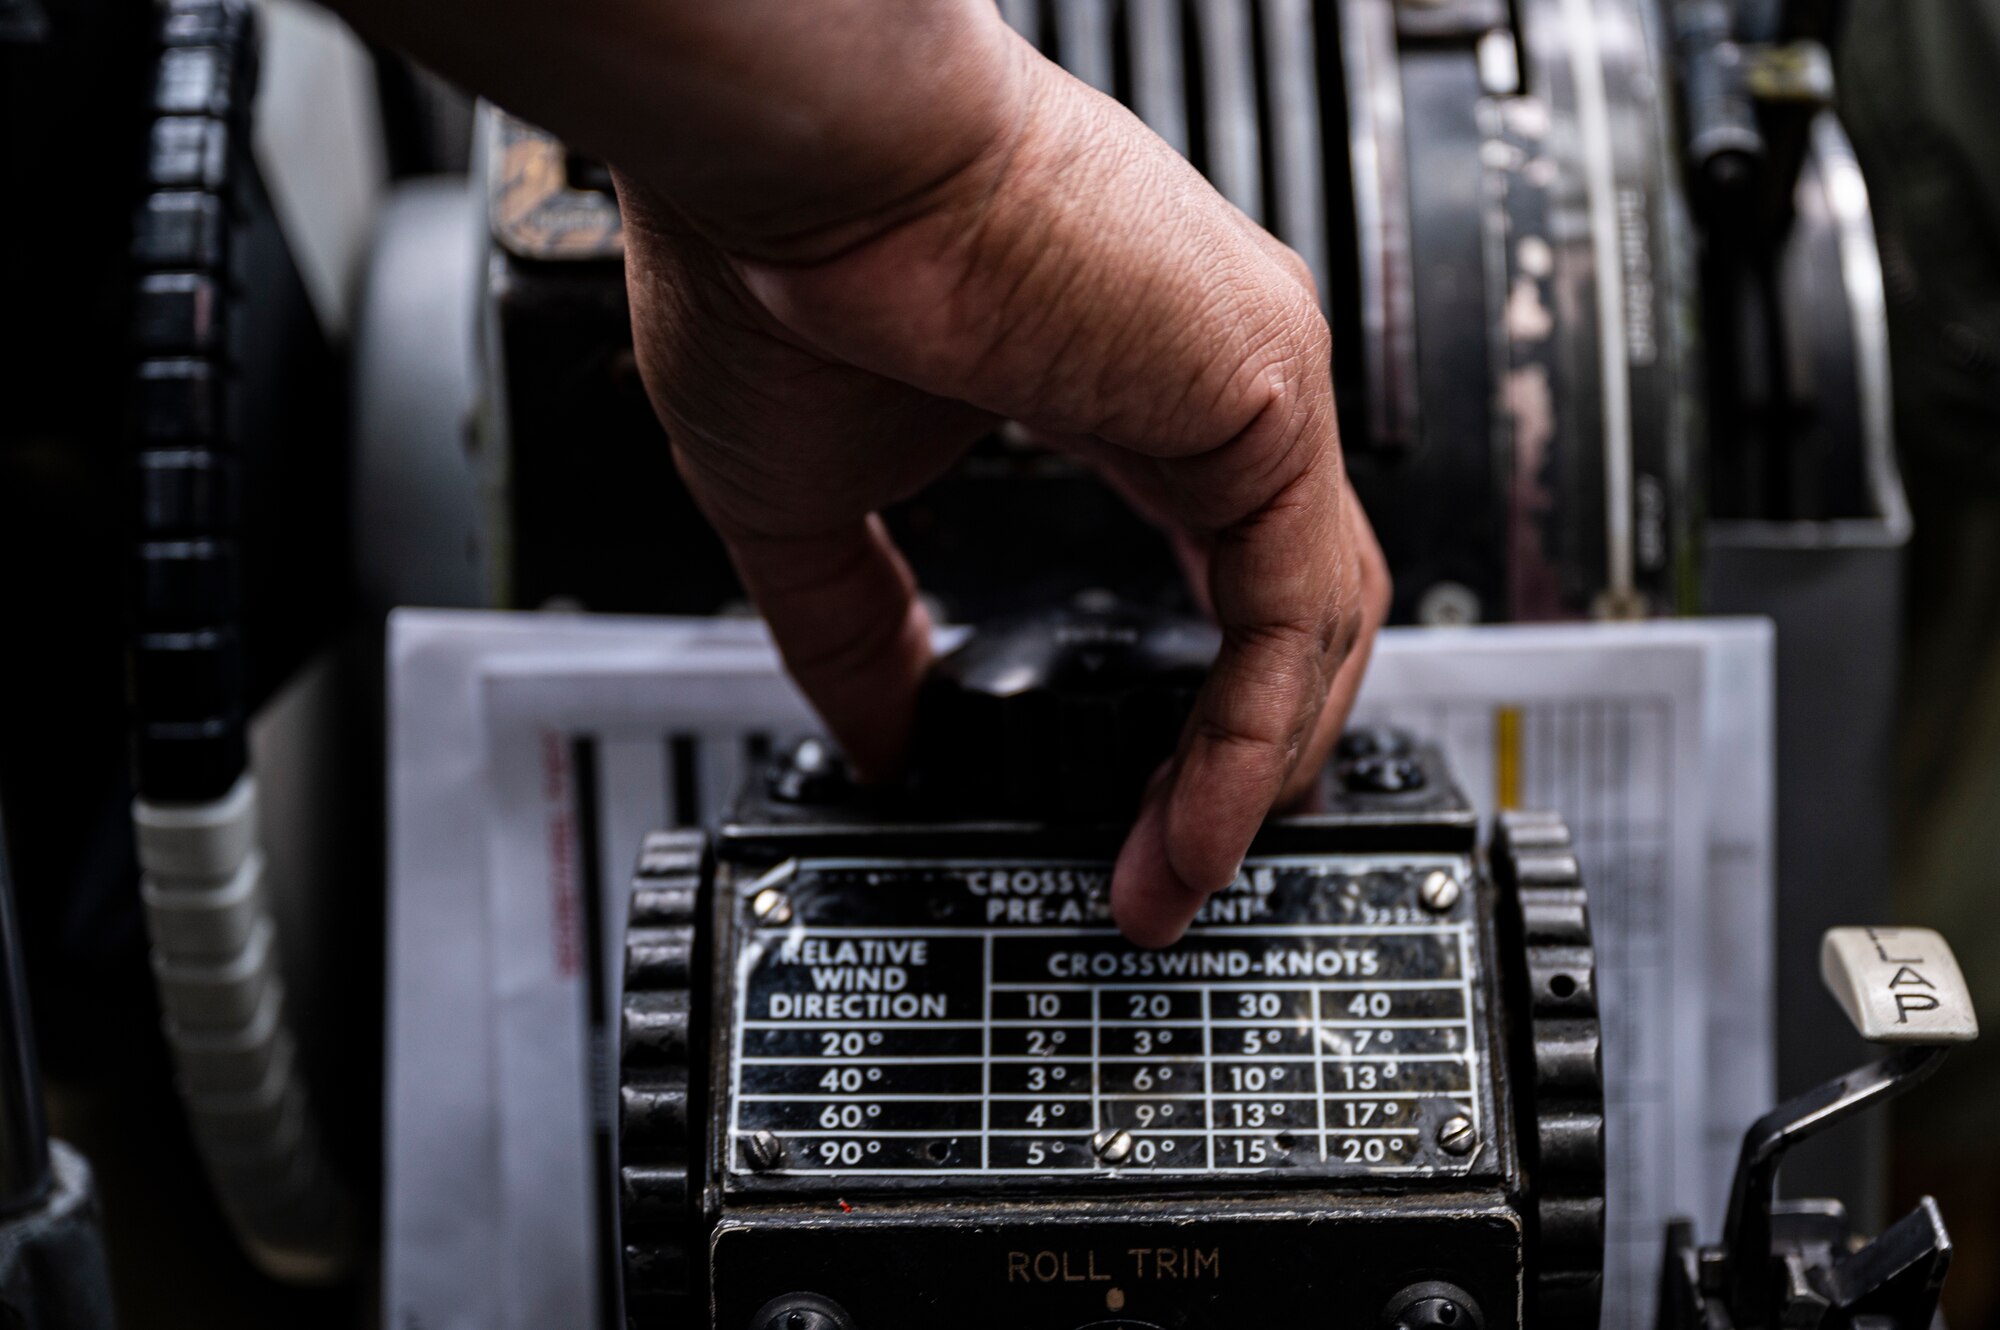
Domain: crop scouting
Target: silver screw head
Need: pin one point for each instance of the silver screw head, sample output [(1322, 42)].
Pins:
[(1456, 1135), (1439, 891), (771, 907), (1113, 1147), (1444, 604), (766, 1151)]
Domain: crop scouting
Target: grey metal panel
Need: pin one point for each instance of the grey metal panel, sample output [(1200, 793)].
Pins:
[(1378, 150), (1159, 72), (1084, 41), (1450, 19), (1448, 287), (1835, 719), (1229, 76), (1832, 172), (418, 533), (1595, 64), (1299, 200), (1834, 589)]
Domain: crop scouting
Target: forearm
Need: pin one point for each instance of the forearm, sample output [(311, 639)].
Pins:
[(780, 127)]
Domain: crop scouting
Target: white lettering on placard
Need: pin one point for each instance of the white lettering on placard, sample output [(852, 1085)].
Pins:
[(1035, 882), (854, 951), (857, 1006), (1276, 963), (1635, 252)]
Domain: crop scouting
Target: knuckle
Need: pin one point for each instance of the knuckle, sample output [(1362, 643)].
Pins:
[(1284, 641), (1301, 272), (1300, 327)]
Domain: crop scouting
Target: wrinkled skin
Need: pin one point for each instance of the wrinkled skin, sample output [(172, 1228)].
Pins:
[(862, 232)]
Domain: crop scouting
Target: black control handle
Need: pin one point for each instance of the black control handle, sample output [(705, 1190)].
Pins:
[(1060, 715)]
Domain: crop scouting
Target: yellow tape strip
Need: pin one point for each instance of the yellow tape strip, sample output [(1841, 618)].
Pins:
[(1507, 756)]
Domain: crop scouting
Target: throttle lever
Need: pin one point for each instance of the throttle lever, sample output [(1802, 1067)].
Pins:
[(1902, 988), (1746, 1235)]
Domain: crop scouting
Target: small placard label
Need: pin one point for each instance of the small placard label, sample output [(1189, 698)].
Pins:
[(941, 1018)]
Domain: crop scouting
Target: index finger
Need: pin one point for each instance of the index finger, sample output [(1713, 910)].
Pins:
[(1298, 587)]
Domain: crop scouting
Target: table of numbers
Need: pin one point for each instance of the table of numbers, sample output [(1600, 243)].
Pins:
[(882, 1050)]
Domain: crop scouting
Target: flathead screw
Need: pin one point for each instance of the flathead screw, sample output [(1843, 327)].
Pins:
[(1439, 891), (1113, 1147), (1456, 1135), (771, 907), (766, 1151)]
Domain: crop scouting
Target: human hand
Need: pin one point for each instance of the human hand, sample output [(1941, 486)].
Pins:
[(859, 234)]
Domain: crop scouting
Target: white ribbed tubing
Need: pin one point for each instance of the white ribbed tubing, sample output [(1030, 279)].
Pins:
[(216, 960)]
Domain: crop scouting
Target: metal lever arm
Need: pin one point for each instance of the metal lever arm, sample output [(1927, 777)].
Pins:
[(1900, 1274), (1746, 1234), (1901, 987)]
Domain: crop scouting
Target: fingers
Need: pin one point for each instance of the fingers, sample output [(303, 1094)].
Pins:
[(1085, 281), (843, 609), (1150, 901), (1283, 590), (789, 455), (1272, 710), (1373, 594)]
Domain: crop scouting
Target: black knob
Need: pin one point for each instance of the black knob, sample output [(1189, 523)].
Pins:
[(1360, 744), (1382, 775), (812, 772), (1061, 715), (1377, 761), (1433, 1305), (801, 1311)]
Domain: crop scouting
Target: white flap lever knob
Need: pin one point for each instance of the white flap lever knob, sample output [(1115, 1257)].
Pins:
[(1898, 985)]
